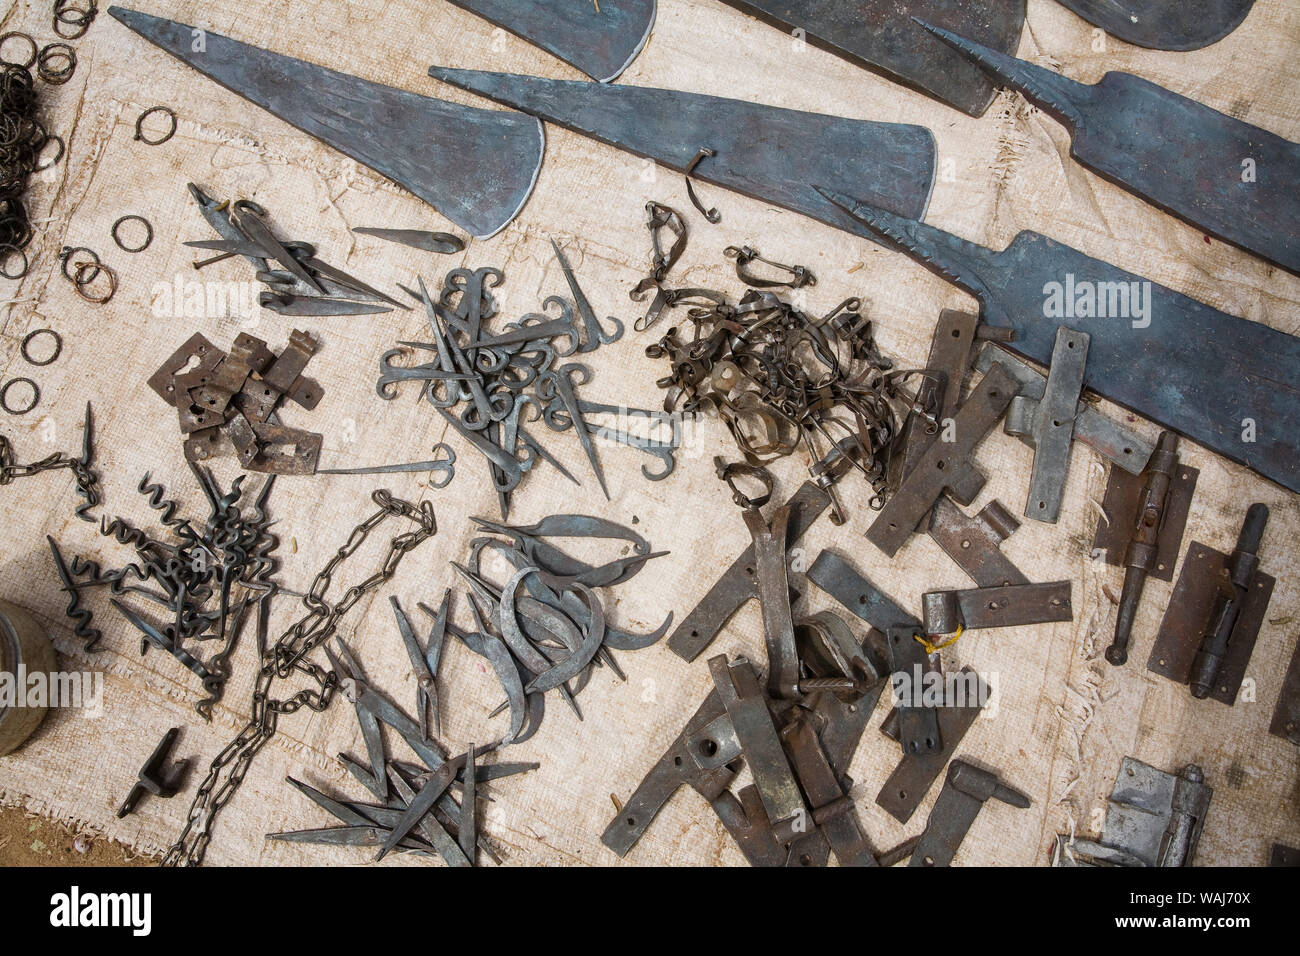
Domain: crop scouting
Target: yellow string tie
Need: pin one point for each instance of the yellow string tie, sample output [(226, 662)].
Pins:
[(931, 647)]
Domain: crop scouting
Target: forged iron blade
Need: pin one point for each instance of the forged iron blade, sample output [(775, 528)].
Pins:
[(1184, 365), (1170, 150), (443, 243), (764, 152), (476, 167), (1164, 24), (881, 36), (600, 40)]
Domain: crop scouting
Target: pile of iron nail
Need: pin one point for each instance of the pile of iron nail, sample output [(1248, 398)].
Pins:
[(209, 579), (489, 383), (779, 378)]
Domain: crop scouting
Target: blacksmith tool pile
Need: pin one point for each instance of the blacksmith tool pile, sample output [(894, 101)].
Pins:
[(429, 810), (798, 727), (781, 379), (227, 403), (488, 383), (209, 579), (297, 282)]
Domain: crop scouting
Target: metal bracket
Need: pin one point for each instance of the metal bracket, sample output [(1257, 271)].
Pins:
[(1204, 578), (945, 465), (974, 543), (1017, 605), (964, 793), (1286, 716), (1107, 438), (739, 583), (151, 778), (1047, 424), (916, 773), (920, 733), (1153, 818), (1123, 499), (678, 767), (832, 807)]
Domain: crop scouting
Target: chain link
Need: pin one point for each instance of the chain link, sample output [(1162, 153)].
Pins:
[(287, 657)]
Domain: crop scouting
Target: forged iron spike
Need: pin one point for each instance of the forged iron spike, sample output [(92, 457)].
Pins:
[(601, 43), (1177, 25), (351, 282), (1240, 368), (443, 243), (1167, 149), (476, 167), (546, 456), (596, 336), (762, 151), (308, 305), (879, 35)]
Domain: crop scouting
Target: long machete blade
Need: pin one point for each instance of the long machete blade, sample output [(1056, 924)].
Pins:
[(1218, 379), (476, 167), (1164, 24), (881, 36), (1174, 152), (764, 152), (600, 40)]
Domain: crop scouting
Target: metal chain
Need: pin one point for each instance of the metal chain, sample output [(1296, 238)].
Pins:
[(287, 656)]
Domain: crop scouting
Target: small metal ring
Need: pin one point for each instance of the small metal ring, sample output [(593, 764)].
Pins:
[(6, 250), (4, 396), (58, 347), (148, 228), (55, 51), (22, 36), (66, 256), (51, 138), (139, 125), (82, 284), (75, 17)]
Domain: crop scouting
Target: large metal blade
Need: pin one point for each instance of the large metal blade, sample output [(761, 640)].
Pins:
[(476, 167), (764, 152), (882, 36), (1174, 152), (1230, 384), (1164, 24), (600, 39)]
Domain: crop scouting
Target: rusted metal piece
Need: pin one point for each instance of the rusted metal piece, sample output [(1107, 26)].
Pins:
[(832, 807), (152, 780), (974, 543), (882, 36), (1153, 528), (601, 41), (1218, 597), (737, 687), (1016, 605), (1283, 855), (945, 465), (1124, 504), (940, 391), (738, 585), (964, 794), (678, 767), (476, 167), (1165, 24), (774, 595), (1286, 715), (964, 696)]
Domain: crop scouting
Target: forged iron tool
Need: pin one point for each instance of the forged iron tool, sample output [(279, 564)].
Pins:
[(601, 41), (1214, 616), (1106, 437), (443, 243), (1171, 151), (152, 779), (1164, 24), (1153, 818), (1147, 534), (1015, 605), (975, 543), (760, 151), (424, 664), (964, 793), (1250, 372), (882, 35), (1047, 424), (476, 167)]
